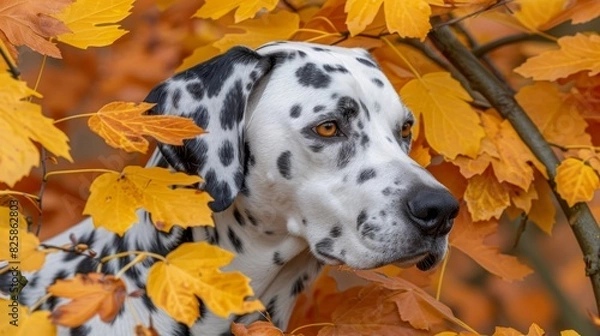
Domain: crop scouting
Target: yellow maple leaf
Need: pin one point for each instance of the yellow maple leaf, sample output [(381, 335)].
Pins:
[(542, 211), (486, 197), (19, 244), (215, 9), (91, 294), (558, 118), (22, 122), (26, 22), (269, 27), (409, 18), (123, 125), (23, 323), (192, 270), (451, 125), (576, 181), (576, 53), (115, 198), (534, 330), (94, 23), (569, 333), (534, 13)]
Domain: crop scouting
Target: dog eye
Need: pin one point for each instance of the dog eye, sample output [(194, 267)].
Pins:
[(406, 130), (327, 129)]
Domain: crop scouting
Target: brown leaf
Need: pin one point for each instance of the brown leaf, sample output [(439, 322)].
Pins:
[(29, 22), (123, 125), (258, 328), (91, 294)]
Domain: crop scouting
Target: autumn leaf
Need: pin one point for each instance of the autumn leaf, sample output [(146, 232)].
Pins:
[(451, 126), (576, 181), (269, 27), (123, 125), (115, 198), (199, 55), (215, 9), (542, 210), (486, 197), (27, 324), (581, 11), (91, 294), (557, 117), (534, 330), (29, 22), (577, 53), (258, 328), (192, 270), (468, 237), (534, 13), (22, 122), (94, 23), (409, 18), (25, 243)]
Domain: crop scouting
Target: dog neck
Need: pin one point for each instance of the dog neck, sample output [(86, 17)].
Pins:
[(280, 265)]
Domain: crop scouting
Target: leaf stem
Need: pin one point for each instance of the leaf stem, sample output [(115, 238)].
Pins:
[(12, 68), (323, 324), (322, 18), (132, 263), (39, 302), (397, 52), (75, 116), (18, 193), (314, 31), (322, 37), (438, 292), (127, 253), (74, 171)]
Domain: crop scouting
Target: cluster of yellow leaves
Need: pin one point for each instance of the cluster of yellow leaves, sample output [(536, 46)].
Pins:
[(115, 197), (30, 259), (192, 271)]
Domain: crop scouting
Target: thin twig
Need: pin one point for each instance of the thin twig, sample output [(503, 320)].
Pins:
[(485, 9), (483, 49), (583, 224)]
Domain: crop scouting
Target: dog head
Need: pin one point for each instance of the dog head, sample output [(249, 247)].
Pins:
[(315, 139)]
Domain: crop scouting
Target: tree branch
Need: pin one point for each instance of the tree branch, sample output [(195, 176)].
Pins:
[(582, 222)]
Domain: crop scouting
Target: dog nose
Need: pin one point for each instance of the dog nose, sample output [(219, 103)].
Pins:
[(433, 211)]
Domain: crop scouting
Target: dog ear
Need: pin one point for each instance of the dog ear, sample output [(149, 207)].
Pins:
[(215, 95)]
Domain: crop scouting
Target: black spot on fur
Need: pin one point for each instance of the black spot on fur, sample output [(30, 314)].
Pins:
[(253, 75), (271, 307), (212, 235), (301, 53), (367, 62), (148, 303), (318, 108), (226, 153), (360, 124), (364, 141), (269, 232), (176, 98), (365, 175), (377, 82), (387, 191), (369, 230), (360, 220), (86, 265), (345, 154), (304, 221), (235, 240), (335, 232), (238, 178), (297, 287), (219, 190), (82, 330), (201, 116), (364, 107), (238, 217), (182, 329), (196, 90), (316, 148), (324, 246), (348, 106), (284, 164), (335, 68), (309, 75), (251, 218), (233, 107), (295, 111), (277, 260)]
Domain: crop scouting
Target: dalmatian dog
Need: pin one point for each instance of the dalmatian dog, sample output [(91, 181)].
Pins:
[(306, 157)]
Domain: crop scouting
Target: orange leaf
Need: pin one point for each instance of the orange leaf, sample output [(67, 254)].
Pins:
[(29, 22), (576, 181), (576, 53), (91, 294), (123, 125), (542, 210), (486, 197), (534, 13), (534, 330), (258, 328), (468, 237), (24, 323)]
